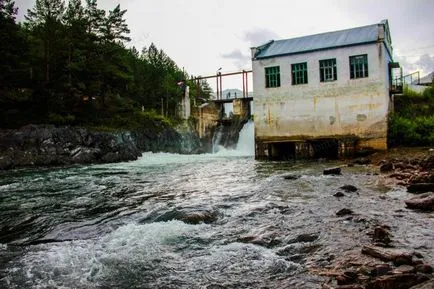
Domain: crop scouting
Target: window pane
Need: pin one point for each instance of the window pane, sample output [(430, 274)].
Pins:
[(272, 76), (359, 66), (299, 73), (328, 70)]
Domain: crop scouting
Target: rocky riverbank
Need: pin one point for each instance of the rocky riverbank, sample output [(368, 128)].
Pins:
[(48, 145), (382, 261)]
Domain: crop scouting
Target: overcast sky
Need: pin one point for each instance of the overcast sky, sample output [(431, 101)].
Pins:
[(202, 36)]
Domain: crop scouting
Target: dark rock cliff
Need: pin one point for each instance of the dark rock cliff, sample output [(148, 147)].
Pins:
[(47, 145)]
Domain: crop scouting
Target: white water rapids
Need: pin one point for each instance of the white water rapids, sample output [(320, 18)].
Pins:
[(188, 221)]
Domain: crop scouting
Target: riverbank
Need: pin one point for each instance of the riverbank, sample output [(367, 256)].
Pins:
[(383, 258), (49, 145)]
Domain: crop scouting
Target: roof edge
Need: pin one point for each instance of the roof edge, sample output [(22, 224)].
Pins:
[(314, 50)]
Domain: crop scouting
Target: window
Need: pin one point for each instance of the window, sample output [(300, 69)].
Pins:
[(359, 66), (299, 73), (272, 76), (327, 70)]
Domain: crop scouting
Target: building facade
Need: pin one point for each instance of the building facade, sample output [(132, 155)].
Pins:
[(328, 92)]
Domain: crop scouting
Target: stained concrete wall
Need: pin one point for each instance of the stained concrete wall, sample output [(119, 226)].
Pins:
[(207, 116), (345, 107)]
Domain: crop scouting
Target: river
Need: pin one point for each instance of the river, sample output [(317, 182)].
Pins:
[(136, 224)]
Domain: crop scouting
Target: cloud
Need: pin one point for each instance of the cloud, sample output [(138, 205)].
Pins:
[(259, 36), (235, 54), (239, 59), (426, 63)]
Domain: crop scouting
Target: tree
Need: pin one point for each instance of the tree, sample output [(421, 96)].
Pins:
[(13, 47), (114, 27), (46, 20)]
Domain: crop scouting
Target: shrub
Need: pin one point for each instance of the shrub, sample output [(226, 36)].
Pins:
[(58, 119)]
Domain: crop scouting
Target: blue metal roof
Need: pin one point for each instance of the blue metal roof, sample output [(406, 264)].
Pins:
[(348, 37)]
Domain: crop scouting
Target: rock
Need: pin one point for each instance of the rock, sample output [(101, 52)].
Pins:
[(421, 177), (398, 257), (190, 216), (381, 269), (399, 281), (352, 286), (339, 194), (381, 235), (304, 238), (349, 188), (291, 177), (343, 279), (351, 274), (420, 188), (46, 145), (386, 167), (344, 212), (403, 269), (424, 268), (424, 202), (425, 285), (362, 161), (332, 171), (427, 163), (215, 286)]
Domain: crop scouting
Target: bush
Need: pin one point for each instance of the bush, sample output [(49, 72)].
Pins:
[(411, 132), (58, 119)]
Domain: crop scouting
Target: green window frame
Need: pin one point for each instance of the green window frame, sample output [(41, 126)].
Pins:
[(328, 70), (272, 76), (299, 73), (359, 66)]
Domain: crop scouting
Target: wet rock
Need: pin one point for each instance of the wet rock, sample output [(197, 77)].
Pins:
[(349, 188), (343, 279), (424, 268), (265, 237), (381, 235), (427, 163), (190, 216), (420, 188), (398, 257), (362, 161), (295, 249), (304, 238), (421, 177), (424, 202), (425, 285), (351, 274), (399, 281), (339, 195), (386, 167), (291, 177), (381, 269), (215, 286), (332, 171), (344, 211), (351, 286), (401, 175), (403, 269)]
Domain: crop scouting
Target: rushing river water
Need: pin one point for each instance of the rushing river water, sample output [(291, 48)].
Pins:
[(136, 224)]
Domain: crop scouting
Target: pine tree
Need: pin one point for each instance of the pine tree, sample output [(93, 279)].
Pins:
[(46, 20)]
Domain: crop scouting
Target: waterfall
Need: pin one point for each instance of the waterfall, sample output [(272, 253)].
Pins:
[(216, 139), (245, 145), (246, 139)]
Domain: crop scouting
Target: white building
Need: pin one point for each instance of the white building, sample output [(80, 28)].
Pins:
[(323, 92)]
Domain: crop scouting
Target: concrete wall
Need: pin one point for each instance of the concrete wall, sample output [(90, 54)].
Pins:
[(207, 116), (345, 107)]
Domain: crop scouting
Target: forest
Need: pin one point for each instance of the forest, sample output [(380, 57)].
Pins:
[(70, 64)]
